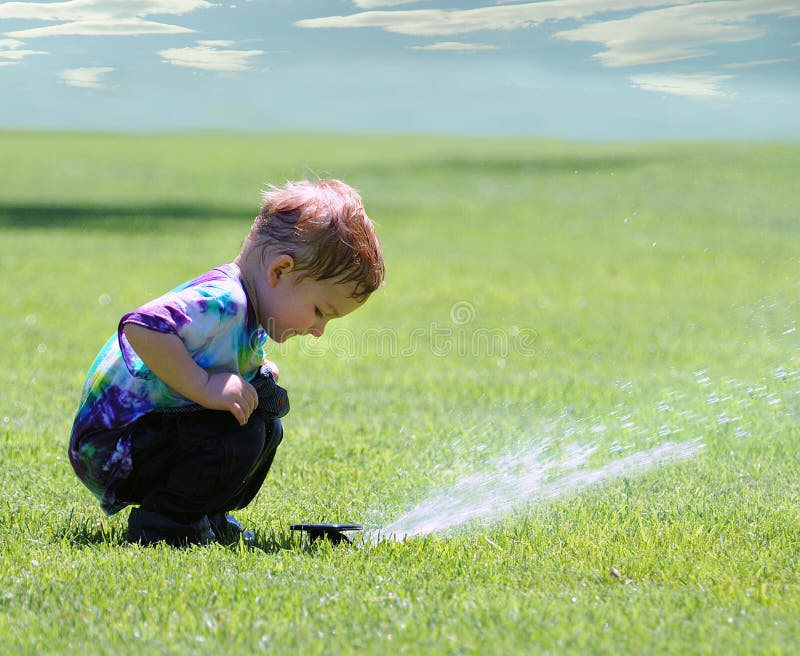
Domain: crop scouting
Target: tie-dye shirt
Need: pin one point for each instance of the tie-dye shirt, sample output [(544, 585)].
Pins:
[(214, 319)]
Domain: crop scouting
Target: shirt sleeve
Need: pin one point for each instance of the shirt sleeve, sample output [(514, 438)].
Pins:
[(195, 314)]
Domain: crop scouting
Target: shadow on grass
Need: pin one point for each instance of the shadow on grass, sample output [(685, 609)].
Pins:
[(545, 164), (271, 541), (131, 218), (88, 532)]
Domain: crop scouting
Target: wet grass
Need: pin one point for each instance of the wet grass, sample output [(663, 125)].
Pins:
[(539, 292)]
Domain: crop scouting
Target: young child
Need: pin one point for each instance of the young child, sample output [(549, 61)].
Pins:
[(167, 420)]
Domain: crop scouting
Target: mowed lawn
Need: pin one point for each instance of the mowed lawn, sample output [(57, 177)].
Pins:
[(540, 295)]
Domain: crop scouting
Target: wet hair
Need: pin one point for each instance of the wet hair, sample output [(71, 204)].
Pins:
[(323, 226)]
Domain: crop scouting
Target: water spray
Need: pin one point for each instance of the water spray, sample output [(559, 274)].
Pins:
[(541, 470)]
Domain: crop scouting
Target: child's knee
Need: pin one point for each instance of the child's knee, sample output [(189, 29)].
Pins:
[(258, 443), (274, 433)]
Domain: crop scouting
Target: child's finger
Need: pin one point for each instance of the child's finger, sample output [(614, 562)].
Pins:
[(251, 396), (238, 413), (276, 374)]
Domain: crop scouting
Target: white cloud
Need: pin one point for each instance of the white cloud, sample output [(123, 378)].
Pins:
[(455, 46), (692, 85), (375, 4), (434, 22), (85, 78), (759, 62), (92, 17), (217, 43), (207, 55), (87, 9), (658, 31), (682, 32), (116, 27), (11, 53)]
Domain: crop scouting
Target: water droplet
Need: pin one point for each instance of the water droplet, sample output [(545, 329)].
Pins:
[(31, 320), (41, 348), (104, 299)]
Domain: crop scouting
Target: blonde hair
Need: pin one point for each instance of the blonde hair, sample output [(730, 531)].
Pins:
[(323, 226)]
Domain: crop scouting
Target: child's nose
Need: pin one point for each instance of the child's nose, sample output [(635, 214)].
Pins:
[(318, 329)]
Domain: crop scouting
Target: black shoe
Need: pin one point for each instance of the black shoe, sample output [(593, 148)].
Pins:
[(148, 527), (228, 529)]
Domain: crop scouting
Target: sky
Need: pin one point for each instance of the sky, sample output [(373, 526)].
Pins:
[(573, 69)]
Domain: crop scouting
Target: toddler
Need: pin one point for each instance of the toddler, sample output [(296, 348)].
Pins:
[(180, 413)]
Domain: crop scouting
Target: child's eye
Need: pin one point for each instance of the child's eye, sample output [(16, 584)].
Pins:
[(318, 312)]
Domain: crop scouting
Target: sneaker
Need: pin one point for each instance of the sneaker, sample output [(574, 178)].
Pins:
[(148, 527), (228, 529)]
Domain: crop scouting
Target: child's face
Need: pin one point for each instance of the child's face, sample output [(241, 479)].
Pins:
[(290, 304)]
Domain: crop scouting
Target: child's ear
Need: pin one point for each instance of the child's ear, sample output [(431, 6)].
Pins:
[(278, 268)]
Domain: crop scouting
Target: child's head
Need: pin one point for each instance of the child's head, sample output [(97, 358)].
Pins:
[(323, 227)]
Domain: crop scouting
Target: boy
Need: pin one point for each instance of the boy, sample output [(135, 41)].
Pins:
[(167, 419)]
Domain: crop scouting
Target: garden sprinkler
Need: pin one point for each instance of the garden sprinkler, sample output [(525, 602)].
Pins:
[(331, 532)]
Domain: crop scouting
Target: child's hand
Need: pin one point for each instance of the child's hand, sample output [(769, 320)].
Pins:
[(276, 374), (227, 391)]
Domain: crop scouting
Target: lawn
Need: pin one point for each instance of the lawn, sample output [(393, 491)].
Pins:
[(544, 299)]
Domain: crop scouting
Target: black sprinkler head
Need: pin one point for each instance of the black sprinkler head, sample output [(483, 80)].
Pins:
[(333, 532)]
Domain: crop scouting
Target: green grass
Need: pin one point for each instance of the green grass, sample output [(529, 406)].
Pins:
[(657, 285)]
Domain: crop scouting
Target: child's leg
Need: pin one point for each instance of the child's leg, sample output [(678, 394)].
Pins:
[(255, 479), (225, 526), (190, 466), (214, 457)]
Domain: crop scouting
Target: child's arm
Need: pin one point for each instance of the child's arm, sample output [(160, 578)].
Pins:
[(167, 358)]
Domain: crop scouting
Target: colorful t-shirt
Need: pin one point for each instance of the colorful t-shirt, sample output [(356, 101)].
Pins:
[(215, 320)]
